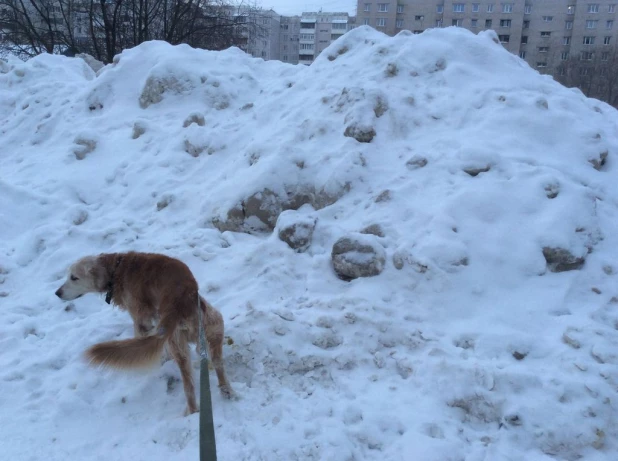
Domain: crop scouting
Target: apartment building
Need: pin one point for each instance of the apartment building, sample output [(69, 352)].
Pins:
[(543, 32), (288, 39), (319, 30), (261, 31)]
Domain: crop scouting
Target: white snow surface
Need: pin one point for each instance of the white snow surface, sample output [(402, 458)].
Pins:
[(416, 363)]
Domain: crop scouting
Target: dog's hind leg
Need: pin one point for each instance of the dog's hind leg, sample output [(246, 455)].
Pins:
[(214, 328), (215, 344), (179, 348)]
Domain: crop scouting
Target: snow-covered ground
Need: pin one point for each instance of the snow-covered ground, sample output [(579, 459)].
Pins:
[(482, 178)]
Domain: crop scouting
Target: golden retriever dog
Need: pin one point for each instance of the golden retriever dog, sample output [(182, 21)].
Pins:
[(161, 295)]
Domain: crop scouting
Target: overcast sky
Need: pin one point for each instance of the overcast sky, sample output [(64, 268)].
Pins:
[(292, 7)]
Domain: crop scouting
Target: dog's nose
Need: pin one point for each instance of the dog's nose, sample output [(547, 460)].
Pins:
[(59, 292)]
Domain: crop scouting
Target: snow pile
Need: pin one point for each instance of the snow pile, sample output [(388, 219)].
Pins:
[(414, 243)]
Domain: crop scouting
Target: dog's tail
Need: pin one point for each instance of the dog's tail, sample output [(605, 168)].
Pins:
[(135, 352)]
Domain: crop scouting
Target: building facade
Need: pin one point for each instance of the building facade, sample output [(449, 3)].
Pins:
[(545, 33), (318, 31), (295, 39), (260, 30), (289, 38)]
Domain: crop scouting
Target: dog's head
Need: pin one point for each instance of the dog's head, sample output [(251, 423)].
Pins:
[(85, 276)]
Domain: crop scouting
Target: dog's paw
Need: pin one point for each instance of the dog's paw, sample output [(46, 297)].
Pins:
[(228, 393), (190, 410)]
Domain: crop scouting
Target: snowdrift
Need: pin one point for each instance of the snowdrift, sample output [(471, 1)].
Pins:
[(413, 241)]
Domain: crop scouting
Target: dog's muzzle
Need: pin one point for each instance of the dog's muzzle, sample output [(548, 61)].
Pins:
[(59, 292)]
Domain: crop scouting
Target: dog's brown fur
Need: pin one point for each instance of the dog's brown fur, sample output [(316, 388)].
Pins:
[(161, 295)]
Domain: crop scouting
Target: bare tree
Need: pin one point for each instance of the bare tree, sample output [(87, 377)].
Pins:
[(103, 28), (31, 27)]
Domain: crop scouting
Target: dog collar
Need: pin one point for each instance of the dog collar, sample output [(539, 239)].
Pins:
[(110, 286), (110, 294)]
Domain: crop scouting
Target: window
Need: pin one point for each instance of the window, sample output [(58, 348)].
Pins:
[(543, 49), (562, 71), (505, 23), (571, 9), (526, 24), (399, 24), (588, 40), (541, 64), (438, 22), (527, 9), (367, 7), (524, 39), (564, 56), (490, 8), (307, 36), (591, 24), (487, 23), (419, 18), (545, 34), (566, 40), (285, 57), (306, 46), (474, 23), (568, 25), (583, 71), (440, 9), (459, 7), (366, 21), (476, 7), (399, 9), (611, 8), (606, 40), (609, 24), (383, 7), (504, 38), (507, 7), (548, 18), (586, 55), (593, 7), (604, 56), (522, 54), (381, 22), (603, 72), (457, 22)]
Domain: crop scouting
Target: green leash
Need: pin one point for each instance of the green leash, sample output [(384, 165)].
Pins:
[(208, 447)]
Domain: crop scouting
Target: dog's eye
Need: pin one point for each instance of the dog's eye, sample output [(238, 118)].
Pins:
[(73, 278)]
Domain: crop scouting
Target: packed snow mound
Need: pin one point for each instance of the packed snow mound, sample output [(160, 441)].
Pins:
[(413, 241)]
